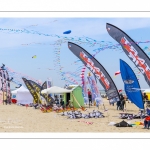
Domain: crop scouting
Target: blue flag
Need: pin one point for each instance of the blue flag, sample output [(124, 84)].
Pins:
[(130, 82)]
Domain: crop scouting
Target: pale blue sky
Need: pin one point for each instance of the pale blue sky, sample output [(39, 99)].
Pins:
[(19, 57)]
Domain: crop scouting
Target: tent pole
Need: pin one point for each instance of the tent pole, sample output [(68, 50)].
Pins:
[(76, 100)]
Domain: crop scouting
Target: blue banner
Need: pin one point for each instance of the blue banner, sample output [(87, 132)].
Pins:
[(130, 82)]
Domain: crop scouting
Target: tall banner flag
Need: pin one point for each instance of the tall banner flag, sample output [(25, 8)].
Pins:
[(32, 91), (38, 89), (49, 83), (1, 86), (130, 84), (44, 85), (8, 85), (97, 69), (132, 50)]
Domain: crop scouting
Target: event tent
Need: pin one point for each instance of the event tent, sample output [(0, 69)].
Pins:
[(73, 93), (55, 89), (23, 95), (22, 88)]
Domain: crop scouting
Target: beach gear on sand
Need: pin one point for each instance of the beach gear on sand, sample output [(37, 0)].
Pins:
[(111, 123), (123, 124)]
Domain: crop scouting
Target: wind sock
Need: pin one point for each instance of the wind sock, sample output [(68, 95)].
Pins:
[(84, 90), (49, 83), (95, 92)]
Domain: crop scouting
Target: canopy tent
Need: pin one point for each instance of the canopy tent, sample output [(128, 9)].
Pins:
[(55, 89), (23, 95), (146, 91), (22, 88), (73, 93)]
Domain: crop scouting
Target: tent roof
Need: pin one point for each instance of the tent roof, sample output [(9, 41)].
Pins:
[(56, 89), (146, 91), (21, 89), (72, 87)]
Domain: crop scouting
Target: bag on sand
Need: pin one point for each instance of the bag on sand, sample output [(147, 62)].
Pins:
[(123, 124)]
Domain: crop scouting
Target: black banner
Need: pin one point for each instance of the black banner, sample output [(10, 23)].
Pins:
[(97, 69), (132, 50), (38, 89), (32, 91), (44, 85)]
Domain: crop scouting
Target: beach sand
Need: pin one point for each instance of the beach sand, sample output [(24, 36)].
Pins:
[(15, 118)]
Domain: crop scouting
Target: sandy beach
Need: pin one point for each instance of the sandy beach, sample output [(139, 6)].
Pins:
[(15, 118)]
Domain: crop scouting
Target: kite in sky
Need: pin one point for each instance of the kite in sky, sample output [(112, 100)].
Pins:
[(34, 56), (67, 32)]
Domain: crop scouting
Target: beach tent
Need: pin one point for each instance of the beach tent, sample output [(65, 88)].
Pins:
[(23, 95), (73, 93), (56, 90), (22, 88)]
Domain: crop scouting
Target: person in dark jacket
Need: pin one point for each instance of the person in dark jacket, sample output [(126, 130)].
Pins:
[(145, 97), (118, 105), (90, 97), (122, 99), (56, 100), (62, 103)]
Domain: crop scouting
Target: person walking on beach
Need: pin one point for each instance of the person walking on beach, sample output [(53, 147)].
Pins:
[(62, 104), (118, 104), (90, 97), (122, 99), (145, 98)]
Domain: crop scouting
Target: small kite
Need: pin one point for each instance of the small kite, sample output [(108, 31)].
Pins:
[(67, 32), (34, 56)]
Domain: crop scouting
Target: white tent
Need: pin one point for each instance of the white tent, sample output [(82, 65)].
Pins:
[(23, 95), (56, 89), (22, 88), (146, 91)]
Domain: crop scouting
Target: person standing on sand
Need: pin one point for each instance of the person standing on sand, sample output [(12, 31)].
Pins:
[(90, 97), (145, 98), (122, 99), (147, 122), (118, 104)]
